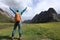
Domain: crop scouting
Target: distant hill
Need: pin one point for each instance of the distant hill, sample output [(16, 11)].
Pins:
[(59, 16), (4, 16), (46, 16), (27, 21)]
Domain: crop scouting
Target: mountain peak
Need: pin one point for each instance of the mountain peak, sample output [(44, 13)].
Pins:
[(46, 16)]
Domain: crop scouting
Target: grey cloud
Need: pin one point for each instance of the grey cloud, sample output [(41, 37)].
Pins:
[(11, 3)]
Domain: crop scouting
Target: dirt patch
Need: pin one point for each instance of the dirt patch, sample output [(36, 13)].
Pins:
[(3, 27), (46, 39)]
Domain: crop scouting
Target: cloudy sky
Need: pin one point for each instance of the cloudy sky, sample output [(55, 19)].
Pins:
[(33, 6)]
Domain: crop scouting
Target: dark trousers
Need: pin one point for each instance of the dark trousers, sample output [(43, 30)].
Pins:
[(17, 24)]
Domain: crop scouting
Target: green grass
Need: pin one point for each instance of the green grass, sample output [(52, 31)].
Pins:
[(33, 31)]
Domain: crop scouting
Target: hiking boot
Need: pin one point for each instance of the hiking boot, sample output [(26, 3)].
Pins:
[(12, 38), (21, 38)]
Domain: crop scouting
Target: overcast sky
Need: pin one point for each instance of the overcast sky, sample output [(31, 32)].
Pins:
[(34, 6)]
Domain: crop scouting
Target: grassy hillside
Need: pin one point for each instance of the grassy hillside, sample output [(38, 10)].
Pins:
[(42, 31), (3, 18)]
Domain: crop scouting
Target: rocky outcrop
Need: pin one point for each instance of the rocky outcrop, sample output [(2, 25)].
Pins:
[(46, 16)]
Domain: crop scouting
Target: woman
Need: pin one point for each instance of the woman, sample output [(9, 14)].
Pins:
[(17, 23)]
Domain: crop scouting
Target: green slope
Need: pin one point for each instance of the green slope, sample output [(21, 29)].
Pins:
[(3, 18)]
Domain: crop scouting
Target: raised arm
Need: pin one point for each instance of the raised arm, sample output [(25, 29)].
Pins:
[(23, 11), (12, 10)]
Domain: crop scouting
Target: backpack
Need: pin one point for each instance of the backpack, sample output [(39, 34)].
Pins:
[(17, 17)]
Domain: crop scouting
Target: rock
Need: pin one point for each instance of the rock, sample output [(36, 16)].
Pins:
[(45, 16)]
